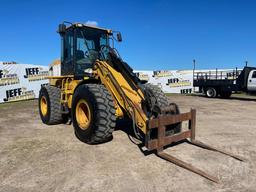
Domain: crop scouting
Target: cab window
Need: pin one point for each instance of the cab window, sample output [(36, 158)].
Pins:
[(68, 48), (67, 53), (254, 74), (89, 43)]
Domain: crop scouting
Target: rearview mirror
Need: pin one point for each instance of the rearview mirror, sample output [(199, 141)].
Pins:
[(62, 28), (119, 37)]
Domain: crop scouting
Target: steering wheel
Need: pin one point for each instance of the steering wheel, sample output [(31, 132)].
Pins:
[(103, 51), (86, 54), (107, 50)]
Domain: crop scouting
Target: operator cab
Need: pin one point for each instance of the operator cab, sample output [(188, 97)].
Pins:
[(81, 46)]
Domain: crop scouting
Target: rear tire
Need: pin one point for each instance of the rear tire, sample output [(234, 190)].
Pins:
[(100, 114), (163, 101), (50, 106)]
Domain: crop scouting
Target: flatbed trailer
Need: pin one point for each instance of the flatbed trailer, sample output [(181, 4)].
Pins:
[(223, 83)]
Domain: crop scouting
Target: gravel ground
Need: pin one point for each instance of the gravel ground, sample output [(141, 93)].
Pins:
[(36, 157)]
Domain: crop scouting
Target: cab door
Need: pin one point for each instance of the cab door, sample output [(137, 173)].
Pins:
[(67, 53), (251, 84)]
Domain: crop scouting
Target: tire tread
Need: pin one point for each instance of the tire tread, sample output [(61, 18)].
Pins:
[(105, 120), (55, 106)]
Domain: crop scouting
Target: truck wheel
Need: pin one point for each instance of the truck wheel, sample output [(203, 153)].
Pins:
[(93, 113), (211, 92), (163, 101), (225, 94), (49, 105)]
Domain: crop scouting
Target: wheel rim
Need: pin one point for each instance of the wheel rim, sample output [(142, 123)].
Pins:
[(43, 105), (210, 92), (83, 114)]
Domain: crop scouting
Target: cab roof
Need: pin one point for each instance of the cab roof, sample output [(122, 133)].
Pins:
[(77, 25)]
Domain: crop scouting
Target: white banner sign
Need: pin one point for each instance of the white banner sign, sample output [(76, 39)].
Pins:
[(173, 81), (21, 81)]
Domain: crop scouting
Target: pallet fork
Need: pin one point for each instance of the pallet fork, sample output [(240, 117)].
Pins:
[(162, 140)]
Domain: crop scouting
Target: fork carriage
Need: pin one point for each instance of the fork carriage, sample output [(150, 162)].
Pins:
[(162, 140)]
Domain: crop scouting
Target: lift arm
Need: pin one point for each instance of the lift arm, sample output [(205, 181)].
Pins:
[(125, 96)]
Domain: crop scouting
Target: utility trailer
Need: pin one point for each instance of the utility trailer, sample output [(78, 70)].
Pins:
[(223, 83)]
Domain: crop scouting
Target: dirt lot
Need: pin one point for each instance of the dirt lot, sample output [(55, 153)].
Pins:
[(36, 157)]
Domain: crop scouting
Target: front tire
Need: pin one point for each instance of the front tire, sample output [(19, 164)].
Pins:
[(163, 101), (93, 113)]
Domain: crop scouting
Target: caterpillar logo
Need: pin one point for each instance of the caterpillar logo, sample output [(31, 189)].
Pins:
[(158, 74), (142, 76), (35, 74), (18, 94), (176, 82), (8, 79)]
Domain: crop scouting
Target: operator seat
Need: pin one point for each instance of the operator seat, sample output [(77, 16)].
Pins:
[(79, 54)]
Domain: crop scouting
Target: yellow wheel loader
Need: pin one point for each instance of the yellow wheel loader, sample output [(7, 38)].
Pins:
[(97, 87)]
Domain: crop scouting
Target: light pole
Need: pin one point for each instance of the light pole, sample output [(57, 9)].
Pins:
[(194, 67)]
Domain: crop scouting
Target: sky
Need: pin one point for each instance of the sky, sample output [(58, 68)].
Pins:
[(157, 34)]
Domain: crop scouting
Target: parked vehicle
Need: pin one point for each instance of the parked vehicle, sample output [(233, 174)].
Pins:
[(221, 83)]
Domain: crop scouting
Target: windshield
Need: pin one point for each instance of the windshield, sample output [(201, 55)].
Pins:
[(89, 44)]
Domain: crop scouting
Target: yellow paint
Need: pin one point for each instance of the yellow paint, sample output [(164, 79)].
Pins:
[(83, 114), (43, 106), (128, 99), (60, 77)]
